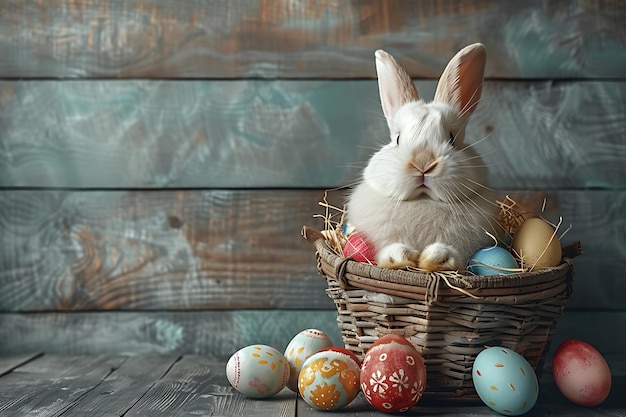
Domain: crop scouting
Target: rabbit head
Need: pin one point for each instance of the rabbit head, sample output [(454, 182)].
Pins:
[(426, 155)]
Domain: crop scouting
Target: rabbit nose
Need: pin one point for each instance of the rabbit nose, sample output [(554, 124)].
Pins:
[(429, 168), (424, 165)]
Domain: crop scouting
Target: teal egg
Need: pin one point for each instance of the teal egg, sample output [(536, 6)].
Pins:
[(492, 261), (505, 381)]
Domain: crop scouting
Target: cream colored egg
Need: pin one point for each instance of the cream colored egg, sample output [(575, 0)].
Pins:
[(303, 345), (536, 244)]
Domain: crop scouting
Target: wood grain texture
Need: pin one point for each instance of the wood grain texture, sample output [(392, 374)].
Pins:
[(251, 134), (214, 334), (145, 250), (330, 38), (52, 384), (198, 386), (119, 391), (218, 334), (9, 363), (154, 250)]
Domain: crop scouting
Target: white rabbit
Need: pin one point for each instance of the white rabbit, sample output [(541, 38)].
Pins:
[(423, 199)]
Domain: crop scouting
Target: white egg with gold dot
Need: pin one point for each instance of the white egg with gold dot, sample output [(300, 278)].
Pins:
[(300, 348), (257, 371)]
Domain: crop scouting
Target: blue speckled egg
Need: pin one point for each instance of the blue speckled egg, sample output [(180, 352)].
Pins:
[(505, 381), (492, 261)]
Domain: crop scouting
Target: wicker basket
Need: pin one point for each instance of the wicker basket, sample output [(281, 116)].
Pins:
[(449, 319)]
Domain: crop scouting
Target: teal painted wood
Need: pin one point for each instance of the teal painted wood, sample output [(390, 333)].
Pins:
[(218, 334), (296, 134), (145, 250), (185, 250), (248, 38), (214, 333)]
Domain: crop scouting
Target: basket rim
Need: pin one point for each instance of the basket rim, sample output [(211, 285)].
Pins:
[(424, 279)]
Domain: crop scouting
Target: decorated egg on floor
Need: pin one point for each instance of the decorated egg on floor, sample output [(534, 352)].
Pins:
[(393, 375), (359, 248), (537, 244), (257, 371), (505, 381), (581, 373), (492, 261), (303, 345), (329, 379)]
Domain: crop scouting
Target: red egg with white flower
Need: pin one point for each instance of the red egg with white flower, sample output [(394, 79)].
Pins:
[(359, 248), (393, 375), (581, 373)]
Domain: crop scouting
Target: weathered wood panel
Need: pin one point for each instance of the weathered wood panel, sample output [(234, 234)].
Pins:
[(152, 250), (52, 384), (198, 386), (215, 334), (9, 363), (148, 250), (330, 38), (218, 334), (124, 387), (221, 134)]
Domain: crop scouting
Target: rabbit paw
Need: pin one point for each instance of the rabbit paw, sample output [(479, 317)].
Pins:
[(440, 257), (397, 256)]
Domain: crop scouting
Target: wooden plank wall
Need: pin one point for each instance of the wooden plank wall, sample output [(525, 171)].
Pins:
[(158, 158)]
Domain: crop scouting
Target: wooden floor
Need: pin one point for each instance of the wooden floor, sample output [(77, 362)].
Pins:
[(56, 385)]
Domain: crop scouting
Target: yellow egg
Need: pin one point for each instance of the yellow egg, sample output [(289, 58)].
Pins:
[(536, 244)]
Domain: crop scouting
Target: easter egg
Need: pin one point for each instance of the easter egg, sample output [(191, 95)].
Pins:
[(505, 381), (393, 375), (536, 244), (492, 261), (257, 371), (303, 345), (581, 373), (359, 248), (329, 379)]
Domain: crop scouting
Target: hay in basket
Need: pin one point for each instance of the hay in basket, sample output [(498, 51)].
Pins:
[(448, 317)]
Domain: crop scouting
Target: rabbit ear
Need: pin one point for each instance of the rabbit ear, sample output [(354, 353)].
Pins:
[(461, 82), (394, 85)]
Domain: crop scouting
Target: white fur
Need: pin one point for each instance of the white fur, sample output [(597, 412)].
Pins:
[(439, 225)]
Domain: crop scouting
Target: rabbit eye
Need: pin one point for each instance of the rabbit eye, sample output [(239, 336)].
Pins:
[(451, 139), (397, 141)]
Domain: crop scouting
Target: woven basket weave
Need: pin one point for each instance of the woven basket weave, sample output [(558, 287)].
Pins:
[(449, 319)]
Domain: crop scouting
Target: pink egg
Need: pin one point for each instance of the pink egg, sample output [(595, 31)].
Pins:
[(393, 375), (581, 373), (359, 248)]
